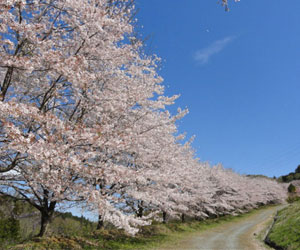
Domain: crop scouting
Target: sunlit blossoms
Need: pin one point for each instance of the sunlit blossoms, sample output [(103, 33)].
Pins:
[(225, 4), (84, 119)]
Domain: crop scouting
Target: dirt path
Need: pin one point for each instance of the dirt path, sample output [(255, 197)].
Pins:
[(235, 235)]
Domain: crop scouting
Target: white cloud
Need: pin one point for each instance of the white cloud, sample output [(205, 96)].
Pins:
[(202, 56)]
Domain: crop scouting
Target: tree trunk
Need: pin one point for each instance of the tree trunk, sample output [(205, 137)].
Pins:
[(182, 218), (164, 217), (46, 217), (100, 222), (140, 210), (45, 220)]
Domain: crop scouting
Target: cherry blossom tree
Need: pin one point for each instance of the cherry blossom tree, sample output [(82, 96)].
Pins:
[(79, 99), (225, 4), (84, 118)]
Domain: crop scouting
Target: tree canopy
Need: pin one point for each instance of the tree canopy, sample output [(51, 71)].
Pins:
[(84, 118)]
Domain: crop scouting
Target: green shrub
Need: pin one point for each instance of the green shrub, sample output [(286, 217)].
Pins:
[(297, 176), (292, 199), (291, 188), (9, 230)]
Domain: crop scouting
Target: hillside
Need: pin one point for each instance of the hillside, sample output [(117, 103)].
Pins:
[(20, 222)]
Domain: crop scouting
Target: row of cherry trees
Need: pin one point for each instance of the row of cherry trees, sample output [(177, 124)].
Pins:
[(84, 118)]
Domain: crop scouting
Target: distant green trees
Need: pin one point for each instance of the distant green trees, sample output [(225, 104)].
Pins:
[(291, 176)]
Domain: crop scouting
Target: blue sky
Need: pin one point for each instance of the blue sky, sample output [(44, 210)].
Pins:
[(238, 72)]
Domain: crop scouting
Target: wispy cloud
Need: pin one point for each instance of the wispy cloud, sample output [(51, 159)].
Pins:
[(202, 56)]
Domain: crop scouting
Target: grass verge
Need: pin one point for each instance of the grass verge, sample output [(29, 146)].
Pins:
[(285, 233)]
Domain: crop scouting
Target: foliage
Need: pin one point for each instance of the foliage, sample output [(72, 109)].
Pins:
[(291, 188), (291, 176), (25, 225), (259, 176), (293, 198), (55, 243), (286, 230), (9, 230)]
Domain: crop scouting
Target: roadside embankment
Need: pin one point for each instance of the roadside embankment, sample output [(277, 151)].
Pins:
[(285, 232)]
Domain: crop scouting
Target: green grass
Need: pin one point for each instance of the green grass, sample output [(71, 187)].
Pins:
[(286, 230), (149, 237)]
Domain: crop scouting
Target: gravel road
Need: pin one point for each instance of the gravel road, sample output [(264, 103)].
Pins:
[(235, 235)]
